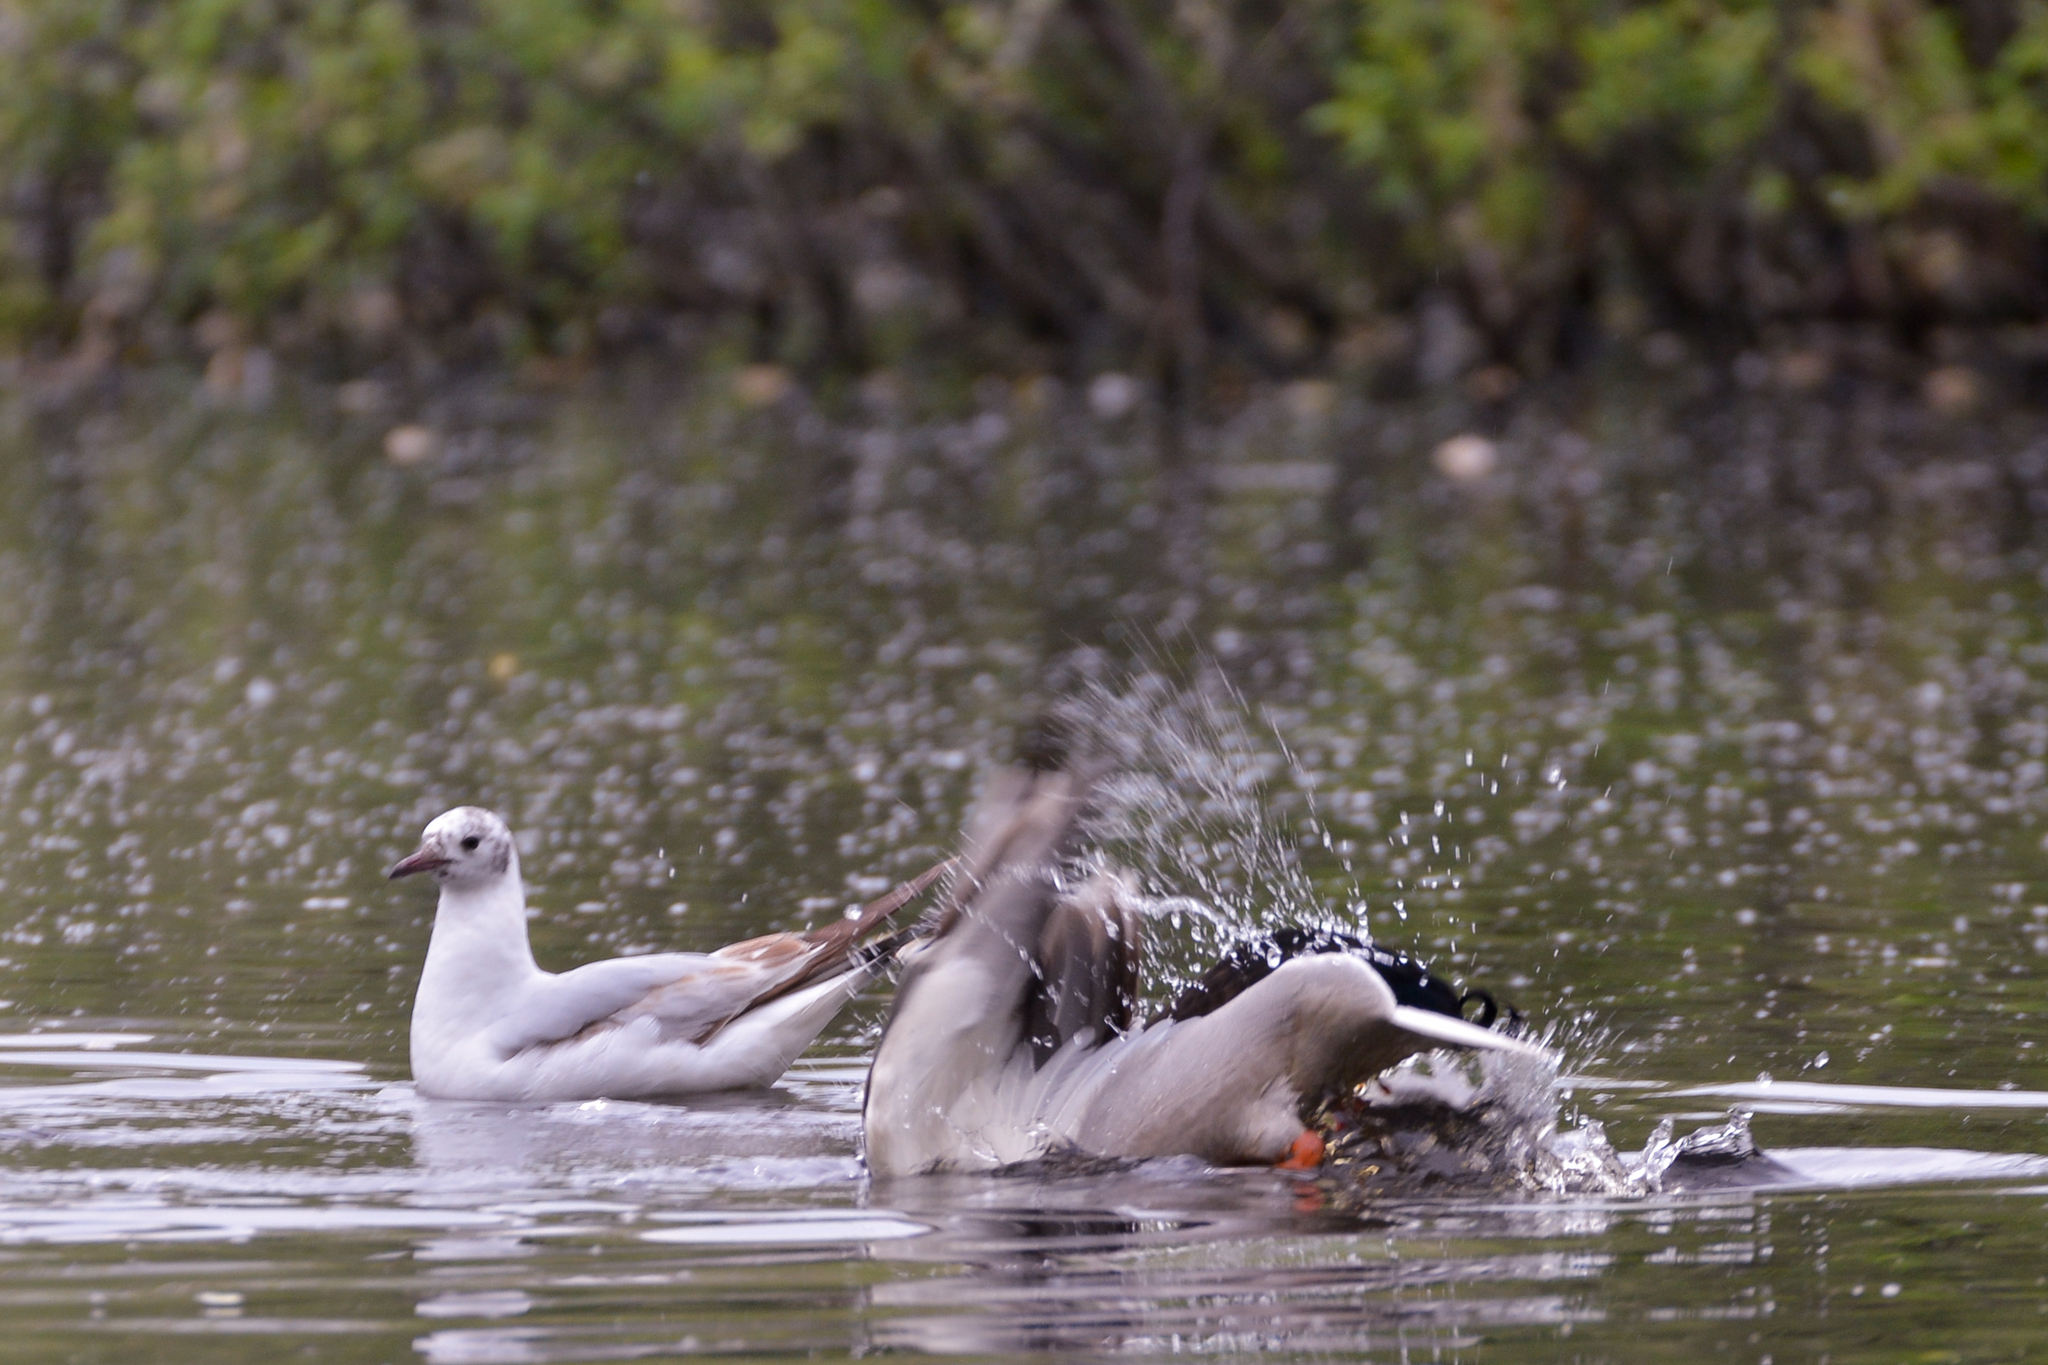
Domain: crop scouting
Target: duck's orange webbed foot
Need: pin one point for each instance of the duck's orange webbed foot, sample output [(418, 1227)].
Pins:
[(1305, 1155)]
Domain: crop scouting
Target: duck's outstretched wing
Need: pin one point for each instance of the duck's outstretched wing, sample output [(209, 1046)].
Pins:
[(1016, 965), (1090, 950), (691, 996), (1004, 884), (1054, 958)]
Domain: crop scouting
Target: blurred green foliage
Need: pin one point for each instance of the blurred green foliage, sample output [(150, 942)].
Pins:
[(855, 178)]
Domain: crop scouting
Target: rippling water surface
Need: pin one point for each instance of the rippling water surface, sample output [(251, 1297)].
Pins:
[(1711, 733)]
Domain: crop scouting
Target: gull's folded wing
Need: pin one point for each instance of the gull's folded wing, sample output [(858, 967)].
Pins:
[(691, 995), (686, 992)]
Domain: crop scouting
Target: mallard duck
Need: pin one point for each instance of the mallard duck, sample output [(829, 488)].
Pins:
[(489, 1024), (1014, 1034)]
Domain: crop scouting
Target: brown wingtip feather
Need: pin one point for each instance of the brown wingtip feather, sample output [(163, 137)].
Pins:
[(874, 912), (829, 946)]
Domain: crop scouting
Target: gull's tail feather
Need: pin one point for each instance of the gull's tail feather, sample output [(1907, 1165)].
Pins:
[(830, 951), (835, 942), (878, 952)]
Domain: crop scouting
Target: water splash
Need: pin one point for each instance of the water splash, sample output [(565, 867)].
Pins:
[(1494, 1123), (1188, 814), (1583, 1161)]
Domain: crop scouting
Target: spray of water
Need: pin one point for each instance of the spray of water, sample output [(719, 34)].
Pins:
[(1187, 814), (1492, 1124)]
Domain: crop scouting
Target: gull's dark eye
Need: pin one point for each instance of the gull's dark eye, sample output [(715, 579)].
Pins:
[(471, 841)]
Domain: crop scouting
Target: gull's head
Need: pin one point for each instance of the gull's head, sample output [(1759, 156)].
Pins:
[(466, 847)]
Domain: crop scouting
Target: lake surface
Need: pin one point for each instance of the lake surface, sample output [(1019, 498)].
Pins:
[(1710, 729)]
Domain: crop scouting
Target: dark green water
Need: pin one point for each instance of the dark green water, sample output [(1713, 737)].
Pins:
[(1713, 733)]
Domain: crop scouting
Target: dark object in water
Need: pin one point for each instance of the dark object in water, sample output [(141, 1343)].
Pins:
[(1418, 1143), (1252, 961), (1725, 1144), (1722, 1156), (1422, 1145)]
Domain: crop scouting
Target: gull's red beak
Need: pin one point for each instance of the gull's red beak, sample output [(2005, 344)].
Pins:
[(426, 860)]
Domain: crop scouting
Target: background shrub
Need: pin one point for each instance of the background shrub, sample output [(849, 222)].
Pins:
[(850, 183)]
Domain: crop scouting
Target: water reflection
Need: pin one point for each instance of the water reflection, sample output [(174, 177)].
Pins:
[(621, 1230), (1812, 1097), (1728, 784), (764, 1141)]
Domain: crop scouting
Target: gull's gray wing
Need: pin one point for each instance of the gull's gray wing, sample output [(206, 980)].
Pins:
[(692, 995)]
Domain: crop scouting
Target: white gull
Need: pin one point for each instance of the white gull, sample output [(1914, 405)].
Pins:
[(489, 1024)]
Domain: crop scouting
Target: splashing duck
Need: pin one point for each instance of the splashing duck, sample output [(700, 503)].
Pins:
[(1014, 1036), (489, 1024)]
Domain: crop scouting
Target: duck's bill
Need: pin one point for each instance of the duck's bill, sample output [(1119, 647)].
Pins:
[(426, 860), (1444, 1031)]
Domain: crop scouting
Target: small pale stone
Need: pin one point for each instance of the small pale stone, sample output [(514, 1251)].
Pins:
[(1952, 389), (410, 444), (761, 386), (1309, 400), (1466, 458), (1113, 395)]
